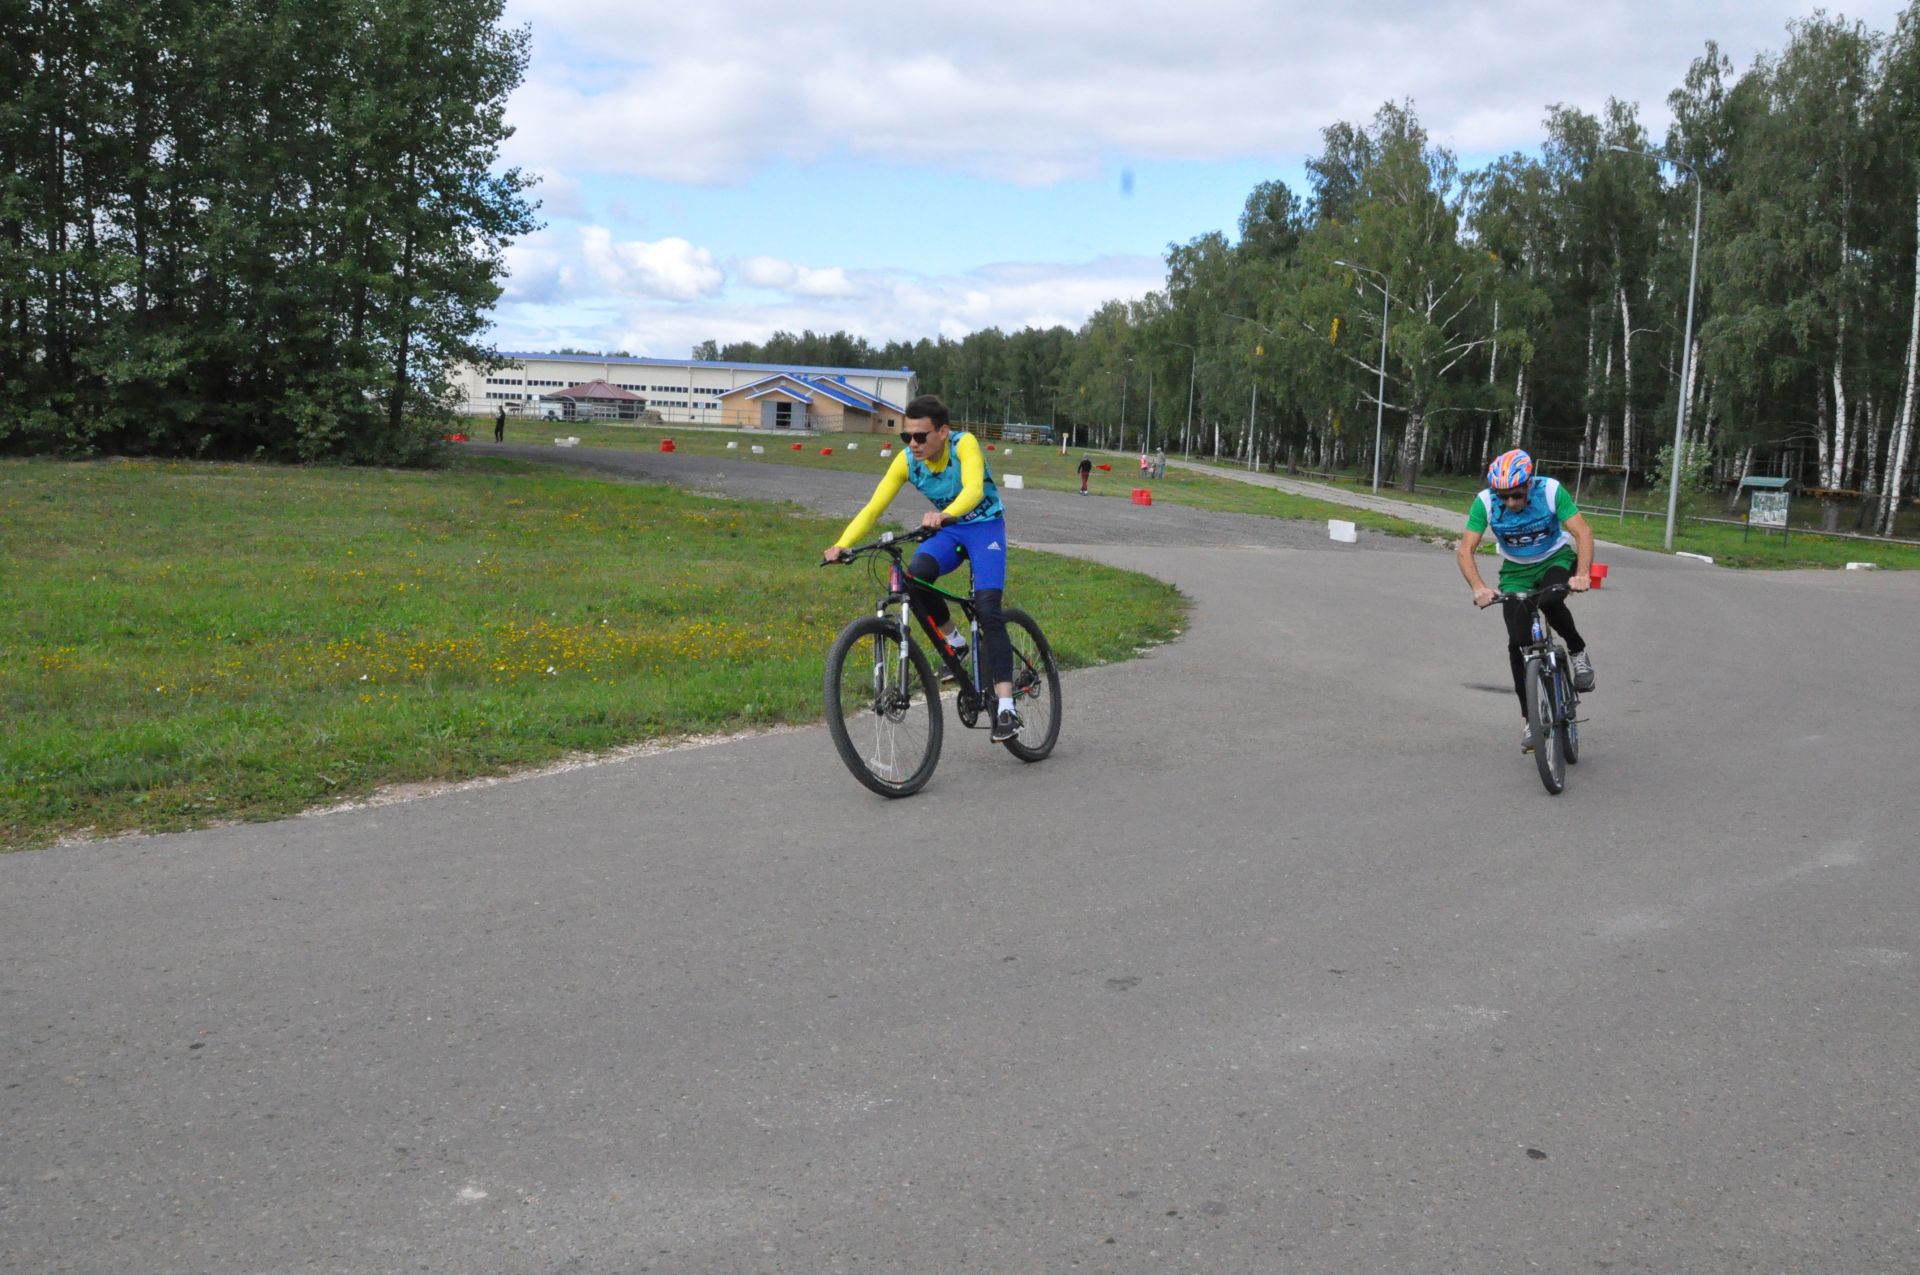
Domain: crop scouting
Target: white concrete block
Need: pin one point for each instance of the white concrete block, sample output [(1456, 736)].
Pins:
[(1345, 532), (732, 446), (1697, 557), (1863, 566), (1013, 482), (758, 450)]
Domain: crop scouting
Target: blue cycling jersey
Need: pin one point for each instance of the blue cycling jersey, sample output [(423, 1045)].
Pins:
[(943, 486), (1532, 533)]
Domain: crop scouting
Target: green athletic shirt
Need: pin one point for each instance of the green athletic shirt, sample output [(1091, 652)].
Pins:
[(1518, 577)]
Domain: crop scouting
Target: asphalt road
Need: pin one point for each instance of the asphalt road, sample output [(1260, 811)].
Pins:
[(1283, 962)]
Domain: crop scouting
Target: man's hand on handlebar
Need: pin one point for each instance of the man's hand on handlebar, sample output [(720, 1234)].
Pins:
[(834, 553), (1580, 583), (933, 521), (1483, 597)]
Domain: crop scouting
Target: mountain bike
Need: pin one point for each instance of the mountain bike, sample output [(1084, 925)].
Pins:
[(883, 700), (1553, 703)]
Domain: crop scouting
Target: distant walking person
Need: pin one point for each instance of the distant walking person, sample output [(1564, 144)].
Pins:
[(500, 425), (1159, 462), (1086, 472)]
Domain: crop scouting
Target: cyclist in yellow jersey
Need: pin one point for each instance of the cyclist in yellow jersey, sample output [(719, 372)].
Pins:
[(950, 469)]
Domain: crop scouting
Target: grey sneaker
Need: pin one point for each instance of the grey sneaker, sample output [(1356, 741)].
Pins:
[(1526, 737), (960, 647), (1582, 671), (1006, 725)]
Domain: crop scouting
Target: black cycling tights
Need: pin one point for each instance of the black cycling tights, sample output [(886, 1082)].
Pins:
[(995, 650), (1520, 629)]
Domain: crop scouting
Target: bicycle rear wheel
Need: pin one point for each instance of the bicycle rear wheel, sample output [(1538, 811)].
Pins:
[(1547, 752), (1036, 688), (883, 708)]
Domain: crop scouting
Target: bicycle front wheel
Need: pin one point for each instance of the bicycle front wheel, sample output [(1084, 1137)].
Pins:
[(1569, 710), (1547, 753), (1036, 688), (883, 707)]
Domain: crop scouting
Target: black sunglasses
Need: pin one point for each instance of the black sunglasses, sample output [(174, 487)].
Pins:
[(1521, 494), (921, 437)]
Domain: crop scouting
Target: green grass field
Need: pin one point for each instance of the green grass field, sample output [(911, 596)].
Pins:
[(195, 643)]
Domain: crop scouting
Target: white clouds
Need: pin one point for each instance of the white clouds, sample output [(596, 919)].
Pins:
[(710, 94), (782, 147), (878, 305), (799, 281), (670, 269)]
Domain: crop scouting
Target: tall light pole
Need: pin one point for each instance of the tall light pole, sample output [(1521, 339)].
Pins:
[(1193, 357), (1253, 402), (1380, 396), (1126, 375), (1146, 432), (1686, 346)]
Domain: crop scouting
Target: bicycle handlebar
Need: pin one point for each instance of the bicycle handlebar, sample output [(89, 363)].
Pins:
[(1547, 594), (886, 541)]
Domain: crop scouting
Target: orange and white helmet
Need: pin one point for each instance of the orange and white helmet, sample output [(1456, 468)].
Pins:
[(1510, 470)]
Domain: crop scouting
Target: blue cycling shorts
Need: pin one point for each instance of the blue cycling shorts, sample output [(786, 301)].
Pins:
[(983, 543)]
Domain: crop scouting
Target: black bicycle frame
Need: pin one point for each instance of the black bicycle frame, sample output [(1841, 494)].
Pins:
[(1547, 649), (906, 592)]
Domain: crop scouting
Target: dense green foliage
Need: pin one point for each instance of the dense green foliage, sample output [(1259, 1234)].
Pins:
[(1540, 301), (248, 228)]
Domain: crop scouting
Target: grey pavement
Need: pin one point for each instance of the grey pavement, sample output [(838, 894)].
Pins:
[(1283, 962)]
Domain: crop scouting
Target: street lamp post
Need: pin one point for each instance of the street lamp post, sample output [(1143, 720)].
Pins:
[(1146, 432), (1686, 347), (1193, 357), (1253, 402), (1380, 396)]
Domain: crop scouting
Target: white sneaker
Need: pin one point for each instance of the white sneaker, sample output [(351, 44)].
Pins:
[(960, 648), (1582, 671), (1526, 738)]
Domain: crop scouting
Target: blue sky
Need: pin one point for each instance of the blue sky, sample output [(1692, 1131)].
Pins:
[(726, 170)]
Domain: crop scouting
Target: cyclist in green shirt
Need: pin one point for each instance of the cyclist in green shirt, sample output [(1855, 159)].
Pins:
[(1543, 539)]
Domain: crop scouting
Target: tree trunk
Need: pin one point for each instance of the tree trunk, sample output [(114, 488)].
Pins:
[(1871, 468), (1586, 439), (1521, 394), (1493, 375), (1903, 419), (1626, 382), (1603, 429), (1696, 432), (403, 338), (1825, 431), (1740, 473), (1412, 443)]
